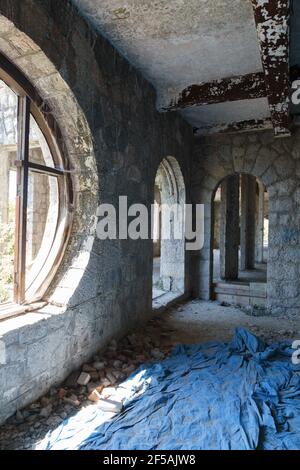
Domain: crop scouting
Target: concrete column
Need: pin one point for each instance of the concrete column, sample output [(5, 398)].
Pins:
[(260, 210), (248, 206), (157, 222), (229, 230)]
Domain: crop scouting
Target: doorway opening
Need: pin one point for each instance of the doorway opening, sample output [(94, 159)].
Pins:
[(240, 241), (168, 230)]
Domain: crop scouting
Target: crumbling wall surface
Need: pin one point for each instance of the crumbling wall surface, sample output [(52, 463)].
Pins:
[(276, 162), (114, 140)]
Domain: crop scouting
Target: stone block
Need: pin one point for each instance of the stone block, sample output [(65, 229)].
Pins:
[(84, 378)]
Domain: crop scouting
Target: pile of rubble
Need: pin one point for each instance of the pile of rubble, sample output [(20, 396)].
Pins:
[(96, 383)]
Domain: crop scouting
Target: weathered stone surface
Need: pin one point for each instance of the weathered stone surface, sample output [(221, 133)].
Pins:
[(94, 396), (46, 412), (275, 164), (99, 365), (105, 112), (83, 379), (72, 400)]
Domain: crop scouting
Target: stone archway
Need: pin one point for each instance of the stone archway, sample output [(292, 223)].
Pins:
[(169, 210), (273, 162), (240, 241)]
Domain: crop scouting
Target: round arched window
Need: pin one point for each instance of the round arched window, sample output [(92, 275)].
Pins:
[(34, 201)]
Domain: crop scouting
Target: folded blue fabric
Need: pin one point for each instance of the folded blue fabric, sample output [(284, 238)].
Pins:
[(240, 395)]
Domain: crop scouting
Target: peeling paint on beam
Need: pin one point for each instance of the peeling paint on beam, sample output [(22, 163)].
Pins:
[(272, 23), (234, 127), (244, 87)]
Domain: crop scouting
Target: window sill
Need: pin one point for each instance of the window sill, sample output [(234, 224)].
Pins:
[(12, 310), (168, 299), (29, 323)]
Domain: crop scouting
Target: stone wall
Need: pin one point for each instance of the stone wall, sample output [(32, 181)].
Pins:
[(276, 162), (113, 141)]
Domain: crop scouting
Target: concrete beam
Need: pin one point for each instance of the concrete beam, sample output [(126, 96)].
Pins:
[(233, 127), (272, 24), (218, 91)]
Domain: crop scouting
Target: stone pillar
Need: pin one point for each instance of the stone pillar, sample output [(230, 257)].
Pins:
[(229, 233), (157, 222), (260, 211), (248, 207)]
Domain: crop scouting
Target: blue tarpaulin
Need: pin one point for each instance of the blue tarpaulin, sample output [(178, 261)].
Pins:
[(239, 395)]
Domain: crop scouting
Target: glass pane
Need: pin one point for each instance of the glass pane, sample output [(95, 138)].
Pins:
[(8, 152), (42, 216), (39, 151)]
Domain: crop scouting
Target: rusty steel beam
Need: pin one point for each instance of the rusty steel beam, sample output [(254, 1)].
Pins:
[(243, 87), (234, 127), (272, 24), (249, 125)]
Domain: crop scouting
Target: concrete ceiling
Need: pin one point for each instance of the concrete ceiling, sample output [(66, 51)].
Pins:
[(177, 43)]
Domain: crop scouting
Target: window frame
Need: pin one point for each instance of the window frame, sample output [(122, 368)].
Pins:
[(30, 104)]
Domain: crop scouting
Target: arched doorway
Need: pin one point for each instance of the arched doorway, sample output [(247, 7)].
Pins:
[(168, 229), (240, 240)]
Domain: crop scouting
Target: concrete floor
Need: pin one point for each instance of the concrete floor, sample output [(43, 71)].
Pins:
[(259, 274), (200, 321), (156, 290)]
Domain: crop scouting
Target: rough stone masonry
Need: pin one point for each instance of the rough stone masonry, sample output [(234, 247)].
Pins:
[(114, 140)]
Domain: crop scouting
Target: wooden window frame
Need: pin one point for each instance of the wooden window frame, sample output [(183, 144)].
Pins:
[(30, 104)]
